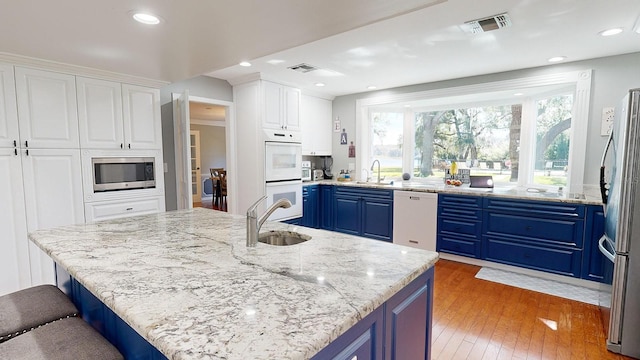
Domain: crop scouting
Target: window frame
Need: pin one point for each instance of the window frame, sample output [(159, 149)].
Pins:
[(581, 80)]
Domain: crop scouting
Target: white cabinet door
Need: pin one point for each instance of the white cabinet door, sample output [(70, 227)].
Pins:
[(315, 125), (100, 114), (123, 208), (142, 126), (48, 109), (291, 104), (272, 105), (53, 197), (14, 253), (9, 135), (281, 107)]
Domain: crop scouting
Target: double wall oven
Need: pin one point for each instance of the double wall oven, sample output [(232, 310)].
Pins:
[(283, 170)]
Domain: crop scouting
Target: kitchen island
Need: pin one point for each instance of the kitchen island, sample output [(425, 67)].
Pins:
[(186, 282)]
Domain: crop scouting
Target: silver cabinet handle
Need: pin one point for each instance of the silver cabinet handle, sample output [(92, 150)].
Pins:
[(414, 197), (604, 251), (129, 209)]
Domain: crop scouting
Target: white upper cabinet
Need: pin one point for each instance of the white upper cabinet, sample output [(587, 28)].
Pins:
[(118, 116), (48, 109), (100, 114), (9, 135), (281, 107), (316, 126), (142, 126)]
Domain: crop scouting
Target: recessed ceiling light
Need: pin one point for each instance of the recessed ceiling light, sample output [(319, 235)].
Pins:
[(371, 87), (147, 19), (556, 58), (319, 84), (407, 105), (245, 63), (518, 94), (609, 32)]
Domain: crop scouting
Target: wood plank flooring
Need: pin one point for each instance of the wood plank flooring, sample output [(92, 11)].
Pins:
[(479, 319)]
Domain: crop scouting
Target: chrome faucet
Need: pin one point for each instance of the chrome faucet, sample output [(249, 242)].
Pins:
[(372, 165), (254, 224)]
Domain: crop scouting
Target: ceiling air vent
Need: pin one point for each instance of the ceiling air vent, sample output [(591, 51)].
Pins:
[(303, 68), (487, 24)]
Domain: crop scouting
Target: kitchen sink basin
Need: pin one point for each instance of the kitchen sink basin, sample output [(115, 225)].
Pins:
[(282, 238)]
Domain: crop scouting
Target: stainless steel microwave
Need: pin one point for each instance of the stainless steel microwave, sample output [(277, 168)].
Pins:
[(123, 173)]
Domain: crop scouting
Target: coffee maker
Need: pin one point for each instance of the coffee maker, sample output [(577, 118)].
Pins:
[(327, 162)]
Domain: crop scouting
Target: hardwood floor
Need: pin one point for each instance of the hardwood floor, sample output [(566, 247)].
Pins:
[(479, 319), (209, 205)]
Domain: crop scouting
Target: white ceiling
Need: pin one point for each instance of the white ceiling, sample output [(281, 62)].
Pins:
[(357, 42)]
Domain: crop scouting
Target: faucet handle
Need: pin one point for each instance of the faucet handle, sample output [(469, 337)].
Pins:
[(252, 210)]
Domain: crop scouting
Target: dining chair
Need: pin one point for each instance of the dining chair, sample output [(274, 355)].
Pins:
[(215, 172)]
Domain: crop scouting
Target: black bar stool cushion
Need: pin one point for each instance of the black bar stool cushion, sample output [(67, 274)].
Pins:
[(69, 338), (29, 308)]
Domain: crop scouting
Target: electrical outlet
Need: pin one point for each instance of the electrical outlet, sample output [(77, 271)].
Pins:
[(352, 166), (608, 114)]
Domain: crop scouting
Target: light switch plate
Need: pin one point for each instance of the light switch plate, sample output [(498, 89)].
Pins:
[(352, 166), (608, 114)]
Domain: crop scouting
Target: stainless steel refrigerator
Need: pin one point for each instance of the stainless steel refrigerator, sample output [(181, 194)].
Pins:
[(621, 241)]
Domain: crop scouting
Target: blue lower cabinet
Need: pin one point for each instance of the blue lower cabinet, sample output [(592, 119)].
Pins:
[(363, 212), (326, 207), (296, 221), (362, 341), (347, 214), (408, 317), (399, 329), (594, 263), (310, 206), (459, 225), (130, 344), (558, 260)]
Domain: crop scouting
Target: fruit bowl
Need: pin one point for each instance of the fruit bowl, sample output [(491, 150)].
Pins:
[(453, 182)]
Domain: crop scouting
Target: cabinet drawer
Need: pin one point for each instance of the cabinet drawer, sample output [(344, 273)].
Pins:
[(119, 209), (459, 245), (460, 201), (460, 212), (562, 231), (363, 192), (533, 208), (459, 226), (555, 260)]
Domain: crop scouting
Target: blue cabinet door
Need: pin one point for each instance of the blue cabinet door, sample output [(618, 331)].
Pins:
[(346, 216), (377, 219), (326, 207), (363, 341), (593, 262), (408, 321), (311, 216)]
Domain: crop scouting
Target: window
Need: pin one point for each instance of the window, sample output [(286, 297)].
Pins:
[(386, 142), (522, 132)]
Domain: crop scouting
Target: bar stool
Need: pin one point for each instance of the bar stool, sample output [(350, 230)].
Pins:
[(41, 323), (26, 309)]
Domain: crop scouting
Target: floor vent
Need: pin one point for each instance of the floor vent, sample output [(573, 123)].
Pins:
[(303, 68), (487, 24)]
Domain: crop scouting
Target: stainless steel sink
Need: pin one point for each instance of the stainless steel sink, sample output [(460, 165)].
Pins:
[(282, 238)]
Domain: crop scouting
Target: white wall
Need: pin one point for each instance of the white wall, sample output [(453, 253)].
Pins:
[(612, 77), (213, 151)]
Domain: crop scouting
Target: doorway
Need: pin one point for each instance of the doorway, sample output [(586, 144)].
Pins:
[(213, 121)]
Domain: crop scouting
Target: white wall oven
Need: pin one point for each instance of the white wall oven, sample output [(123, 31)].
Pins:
[(283, 172)]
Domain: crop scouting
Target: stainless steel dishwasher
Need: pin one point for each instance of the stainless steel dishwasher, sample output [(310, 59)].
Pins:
[(415, 219)]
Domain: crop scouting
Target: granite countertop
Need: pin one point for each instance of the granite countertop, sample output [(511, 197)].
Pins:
[(187, 283), (505, 192)]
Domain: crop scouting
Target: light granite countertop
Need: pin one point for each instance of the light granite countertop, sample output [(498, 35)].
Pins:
[(187, 283), (504, 192)]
